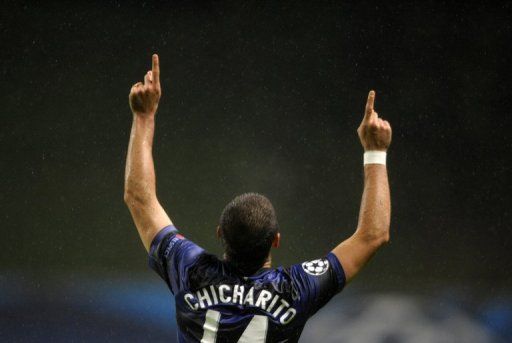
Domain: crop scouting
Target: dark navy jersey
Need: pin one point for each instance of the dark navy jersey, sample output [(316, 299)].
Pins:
[(216, 304)]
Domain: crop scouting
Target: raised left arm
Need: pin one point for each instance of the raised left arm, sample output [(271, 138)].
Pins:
[(140, 181), (375, 212)]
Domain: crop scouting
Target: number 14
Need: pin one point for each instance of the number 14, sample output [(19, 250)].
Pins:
[(255, 332)]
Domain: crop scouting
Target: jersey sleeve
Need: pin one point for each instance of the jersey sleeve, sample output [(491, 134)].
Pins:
[(171, 255), (317, 281)]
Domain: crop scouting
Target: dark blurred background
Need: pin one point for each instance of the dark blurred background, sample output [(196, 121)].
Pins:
[(257, 96)]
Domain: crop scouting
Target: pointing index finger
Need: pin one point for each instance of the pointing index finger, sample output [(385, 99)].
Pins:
[(369, 104), (156, 70)]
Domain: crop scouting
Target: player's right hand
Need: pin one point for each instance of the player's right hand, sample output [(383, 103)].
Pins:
[(374, 132), (144, 97)]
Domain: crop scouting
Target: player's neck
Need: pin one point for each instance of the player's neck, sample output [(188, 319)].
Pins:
[(268, 262)]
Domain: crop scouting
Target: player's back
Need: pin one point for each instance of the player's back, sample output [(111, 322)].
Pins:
[(214, 303)]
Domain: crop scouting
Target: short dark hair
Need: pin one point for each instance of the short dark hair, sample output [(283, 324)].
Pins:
[(248, 226)]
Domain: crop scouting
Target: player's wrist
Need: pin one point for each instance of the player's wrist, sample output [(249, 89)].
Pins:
[(144, 115), (374, 157)]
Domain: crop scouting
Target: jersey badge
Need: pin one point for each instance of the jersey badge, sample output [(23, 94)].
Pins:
[(316, 267)]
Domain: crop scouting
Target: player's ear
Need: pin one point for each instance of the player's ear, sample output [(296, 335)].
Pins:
[(276, 241)]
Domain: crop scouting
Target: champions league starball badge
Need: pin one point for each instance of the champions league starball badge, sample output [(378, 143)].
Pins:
[(316, 267)]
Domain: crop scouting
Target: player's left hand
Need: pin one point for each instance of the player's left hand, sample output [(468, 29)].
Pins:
[(144, 97), (374, 132)]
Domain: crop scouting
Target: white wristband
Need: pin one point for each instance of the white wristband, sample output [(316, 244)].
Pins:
[(375, 157)]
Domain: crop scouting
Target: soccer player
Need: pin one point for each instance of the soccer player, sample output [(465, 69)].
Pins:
[(241, 298)]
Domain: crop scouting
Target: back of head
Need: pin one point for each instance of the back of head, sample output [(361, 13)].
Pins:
[(248, 227)]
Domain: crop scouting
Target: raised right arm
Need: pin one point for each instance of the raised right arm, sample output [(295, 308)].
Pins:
[(375, 212), (140, 184)]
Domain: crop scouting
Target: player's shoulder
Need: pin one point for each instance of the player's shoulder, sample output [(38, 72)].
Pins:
[(315, 267), (283, 275), (273, 276), (208, 269), (317, 271), (326, 271)]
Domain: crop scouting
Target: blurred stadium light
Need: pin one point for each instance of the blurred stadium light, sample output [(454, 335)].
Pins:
[(131, 310)]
